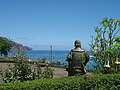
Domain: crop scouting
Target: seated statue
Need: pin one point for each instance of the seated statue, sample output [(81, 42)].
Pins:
[(77, 60)]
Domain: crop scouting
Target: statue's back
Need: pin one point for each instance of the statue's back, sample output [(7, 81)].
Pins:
[(77, 60)]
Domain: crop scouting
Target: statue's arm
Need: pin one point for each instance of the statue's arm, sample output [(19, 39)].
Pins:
[(86, 57), (69, 57)]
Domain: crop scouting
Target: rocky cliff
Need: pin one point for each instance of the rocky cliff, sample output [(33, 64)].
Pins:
[(17, 46)]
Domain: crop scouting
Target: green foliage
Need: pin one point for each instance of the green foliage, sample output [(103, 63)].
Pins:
[(117, 39), (4, 47), (104, 46), (48, 72), (90, 82), (23, 70), (44, 60), (5, 59)]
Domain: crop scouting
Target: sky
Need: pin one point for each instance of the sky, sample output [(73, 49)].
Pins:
[(42, 23)]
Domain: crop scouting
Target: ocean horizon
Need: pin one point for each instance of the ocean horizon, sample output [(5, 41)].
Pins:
[(57, 55)]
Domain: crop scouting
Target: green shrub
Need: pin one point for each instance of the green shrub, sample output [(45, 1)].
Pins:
[(23, 70), (5, 59), (90, 82)]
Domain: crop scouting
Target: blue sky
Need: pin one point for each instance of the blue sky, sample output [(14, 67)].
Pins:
[(41, 23)]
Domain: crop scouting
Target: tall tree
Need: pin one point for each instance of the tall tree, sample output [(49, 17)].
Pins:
[(4, 47), (102, 45)]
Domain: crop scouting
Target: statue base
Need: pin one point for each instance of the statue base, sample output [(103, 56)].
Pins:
[(75, 71)]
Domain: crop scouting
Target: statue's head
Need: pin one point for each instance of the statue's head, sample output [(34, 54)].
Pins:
[(77, 43)]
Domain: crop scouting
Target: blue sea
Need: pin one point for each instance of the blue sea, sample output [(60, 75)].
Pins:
[(56, 55)]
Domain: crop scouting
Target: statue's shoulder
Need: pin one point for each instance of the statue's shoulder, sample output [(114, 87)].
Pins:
[(78, 50)]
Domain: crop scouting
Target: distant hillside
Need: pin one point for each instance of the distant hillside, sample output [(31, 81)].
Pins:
[(16, 46)]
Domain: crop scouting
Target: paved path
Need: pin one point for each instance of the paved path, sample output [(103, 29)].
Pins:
[(59, 72)]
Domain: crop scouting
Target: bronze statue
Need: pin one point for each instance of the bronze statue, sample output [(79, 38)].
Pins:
[(77, 60)]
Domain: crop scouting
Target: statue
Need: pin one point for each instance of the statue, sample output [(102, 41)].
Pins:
[(77, 60)]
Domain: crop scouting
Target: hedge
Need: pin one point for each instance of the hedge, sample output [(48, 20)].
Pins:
[(88, 82)]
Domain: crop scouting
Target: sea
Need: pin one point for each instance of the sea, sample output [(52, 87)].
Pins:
[(53, 56)]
